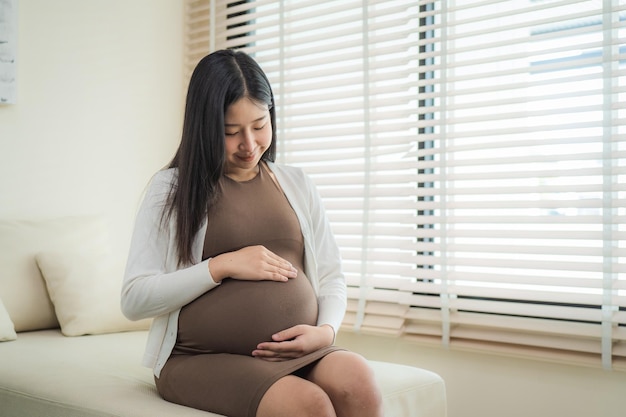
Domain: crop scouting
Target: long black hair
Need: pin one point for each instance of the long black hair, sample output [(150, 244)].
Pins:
[(219, 80)]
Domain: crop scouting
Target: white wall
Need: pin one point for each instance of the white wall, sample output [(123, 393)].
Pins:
[(99, 107), (99, 110)]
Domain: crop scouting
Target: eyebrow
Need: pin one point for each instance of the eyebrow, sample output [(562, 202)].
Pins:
[(254, 121)]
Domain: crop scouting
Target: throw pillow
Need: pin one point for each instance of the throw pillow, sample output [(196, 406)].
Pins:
[(7, 330), (85, 291), (22, 287)]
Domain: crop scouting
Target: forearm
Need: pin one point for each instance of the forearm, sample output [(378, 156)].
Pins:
[(331, 311), (152, 294)]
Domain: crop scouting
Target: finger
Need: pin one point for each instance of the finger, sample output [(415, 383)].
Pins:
[(266, 354), (278, 268), (275, 356), (285, 267), (280, 275), (276, 359), (287, 334), (277, 347)]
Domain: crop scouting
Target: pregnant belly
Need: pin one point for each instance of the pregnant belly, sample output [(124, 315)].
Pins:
[(238, 315)]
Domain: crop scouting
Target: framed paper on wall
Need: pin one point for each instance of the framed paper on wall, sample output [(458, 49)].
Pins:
[(8, 51)]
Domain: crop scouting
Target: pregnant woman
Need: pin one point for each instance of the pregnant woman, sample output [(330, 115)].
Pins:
[(233, 256)]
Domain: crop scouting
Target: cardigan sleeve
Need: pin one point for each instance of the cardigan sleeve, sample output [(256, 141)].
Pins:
[(332, 297), (153, 283)]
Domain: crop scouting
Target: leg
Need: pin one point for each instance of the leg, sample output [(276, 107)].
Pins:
[(349, 382), (237, 386), (292, 396)]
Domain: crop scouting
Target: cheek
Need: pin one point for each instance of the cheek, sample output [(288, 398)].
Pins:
[(230, 145), (266, 138)]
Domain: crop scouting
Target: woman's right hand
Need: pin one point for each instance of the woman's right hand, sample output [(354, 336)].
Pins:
[(252, 263)]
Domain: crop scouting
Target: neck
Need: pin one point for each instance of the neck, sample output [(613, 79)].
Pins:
[(243, 175)]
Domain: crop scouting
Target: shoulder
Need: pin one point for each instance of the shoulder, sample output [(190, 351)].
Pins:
[(163, 180), (287, 172), (295, 182), (160, 186), (165, 176)]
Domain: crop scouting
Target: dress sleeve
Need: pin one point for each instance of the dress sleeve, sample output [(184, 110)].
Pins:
[(153, 283)]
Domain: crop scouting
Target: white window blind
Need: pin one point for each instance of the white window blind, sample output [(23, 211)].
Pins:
[(471, 156)]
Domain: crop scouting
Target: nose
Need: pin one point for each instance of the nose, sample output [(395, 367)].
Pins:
[(247, 141)]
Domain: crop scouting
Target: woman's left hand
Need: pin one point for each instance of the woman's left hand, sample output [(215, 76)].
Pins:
[(295, 342)]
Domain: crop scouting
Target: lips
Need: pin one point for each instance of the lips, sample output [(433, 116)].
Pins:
[(246, 158)]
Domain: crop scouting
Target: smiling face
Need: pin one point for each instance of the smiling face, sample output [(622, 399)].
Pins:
[(248, 134)]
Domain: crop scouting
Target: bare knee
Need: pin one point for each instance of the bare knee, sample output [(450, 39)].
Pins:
[(295, 397), (317, 403), (351, 384), (361, 393), (366, 395)]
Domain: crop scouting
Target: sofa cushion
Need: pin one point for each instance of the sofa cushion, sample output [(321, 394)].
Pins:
[(85, 291), (45, 373), (7, 330), (22, 287)]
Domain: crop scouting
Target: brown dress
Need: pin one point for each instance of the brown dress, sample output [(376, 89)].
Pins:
[(211, 367)]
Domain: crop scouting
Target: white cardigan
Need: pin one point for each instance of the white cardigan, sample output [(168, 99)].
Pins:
[(154, 285)]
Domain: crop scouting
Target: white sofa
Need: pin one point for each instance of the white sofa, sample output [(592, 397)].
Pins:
[(66, 350)]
